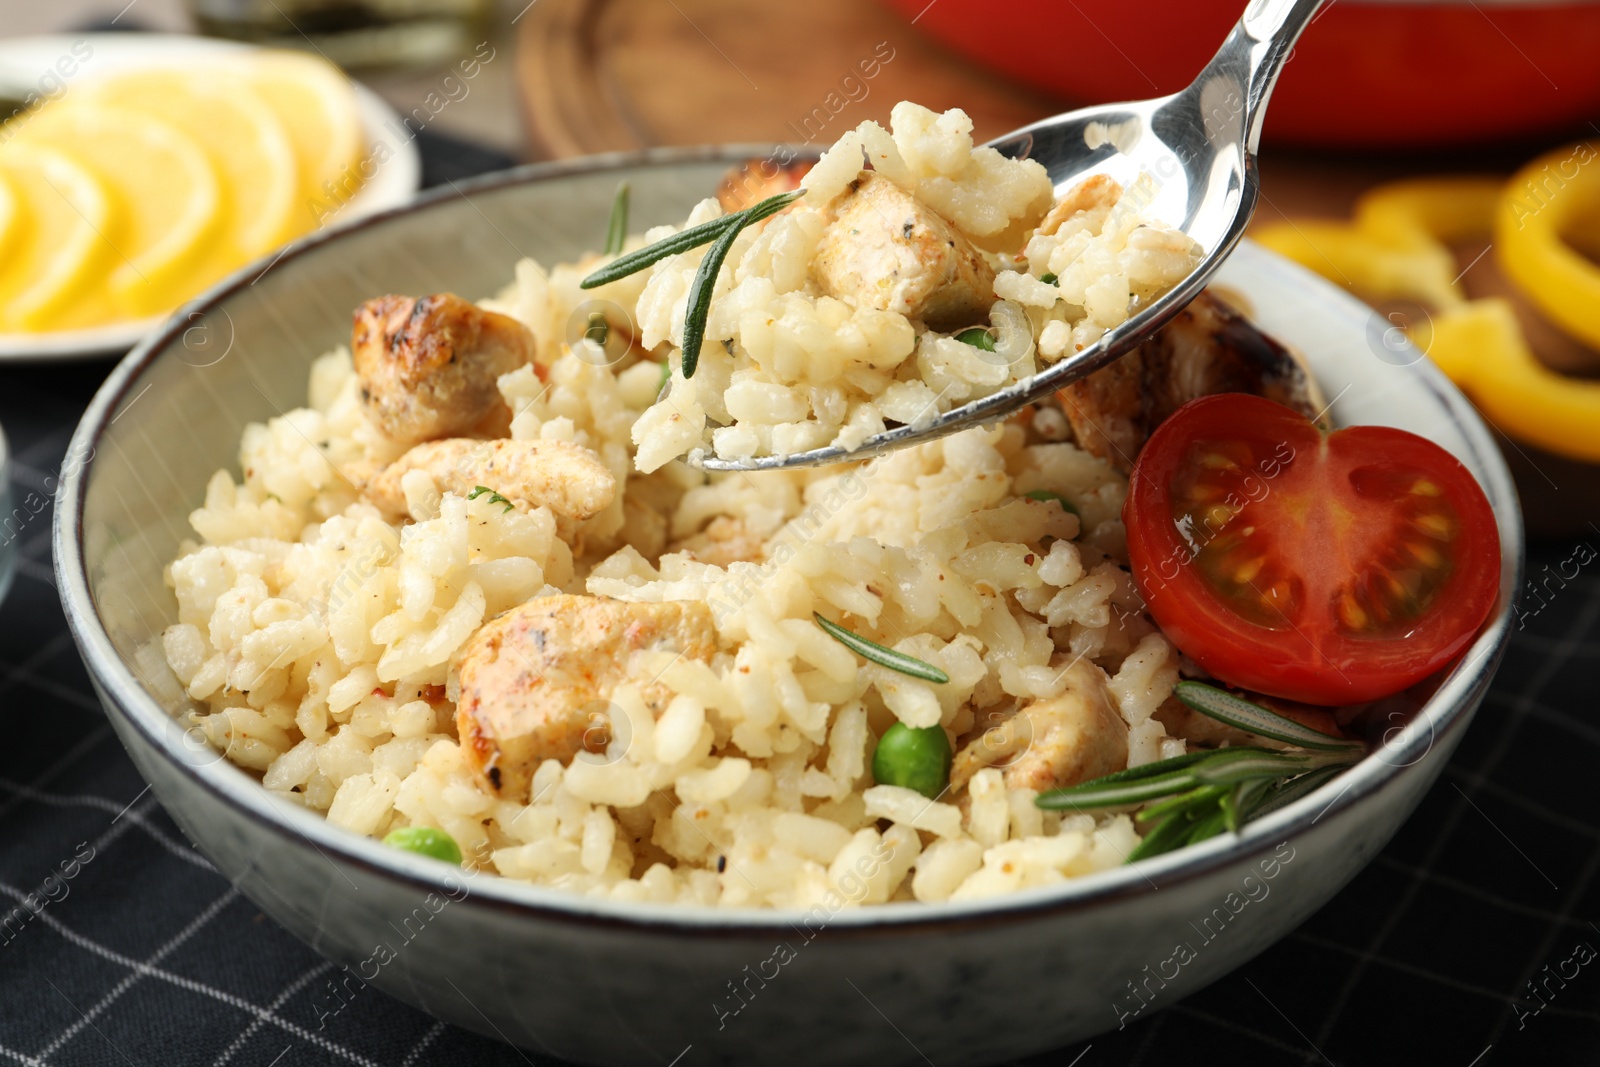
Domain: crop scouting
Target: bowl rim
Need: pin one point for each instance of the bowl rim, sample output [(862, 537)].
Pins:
[(124, 696)]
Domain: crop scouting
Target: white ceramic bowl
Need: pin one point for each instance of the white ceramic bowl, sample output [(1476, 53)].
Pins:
[(609, 983)]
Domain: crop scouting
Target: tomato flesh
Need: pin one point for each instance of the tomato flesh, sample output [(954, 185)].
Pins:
[(1326, 568)]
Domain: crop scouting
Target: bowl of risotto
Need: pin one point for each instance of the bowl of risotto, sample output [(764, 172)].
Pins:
[(420, 620)]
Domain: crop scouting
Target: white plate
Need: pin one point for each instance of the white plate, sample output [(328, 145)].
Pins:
[(27, 60)]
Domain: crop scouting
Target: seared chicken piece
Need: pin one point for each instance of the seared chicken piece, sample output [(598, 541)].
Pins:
[(1095, 193), (535, 681), (428, 365), (1052, 743), (887, 250), (725, 540), (748, 183), (566, 478), (1208, 348)]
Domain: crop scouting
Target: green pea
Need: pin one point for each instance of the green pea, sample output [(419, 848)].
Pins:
[(977, 337), (425, 841), (913, 758), (1045, 494)]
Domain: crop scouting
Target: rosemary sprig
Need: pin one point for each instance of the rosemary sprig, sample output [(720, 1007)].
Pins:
[(617, 229), (721, 233), (1196, 796), (494, 497), (883, 657)]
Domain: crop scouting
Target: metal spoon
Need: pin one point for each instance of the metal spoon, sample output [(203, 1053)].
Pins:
[(1197, 146)]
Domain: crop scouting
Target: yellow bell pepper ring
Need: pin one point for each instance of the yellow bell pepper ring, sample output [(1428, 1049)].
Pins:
[(1395, 248), (1542, 203), (1481, 347)]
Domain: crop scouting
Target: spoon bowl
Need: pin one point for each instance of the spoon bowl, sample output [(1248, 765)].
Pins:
[(1191, 154)]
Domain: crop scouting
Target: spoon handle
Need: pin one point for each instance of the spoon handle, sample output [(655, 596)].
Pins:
[(1233, 88)]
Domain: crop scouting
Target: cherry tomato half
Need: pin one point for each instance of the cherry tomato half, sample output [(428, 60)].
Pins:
[(1327, 568)]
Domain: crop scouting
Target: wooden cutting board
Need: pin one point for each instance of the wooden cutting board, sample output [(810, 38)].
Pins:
[(605, 75)]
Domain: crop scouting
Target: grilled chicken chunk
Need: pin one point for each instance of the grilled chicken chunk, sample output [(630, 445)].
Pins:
[(566, 478), (887, 250), (1052, 743), (1097, 192), (535, 681), (1208, 348), (748, 183), (428, 365)]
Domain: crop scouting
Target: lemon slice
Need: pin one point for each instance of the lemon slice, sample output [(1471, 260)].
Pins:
[(248, 146), (61, 248), (166, 196), (10, 221), (317, 107)]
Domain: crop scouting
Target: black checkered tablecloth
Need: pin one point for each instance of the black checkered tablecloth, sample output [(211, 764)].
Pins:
[(146, 956)]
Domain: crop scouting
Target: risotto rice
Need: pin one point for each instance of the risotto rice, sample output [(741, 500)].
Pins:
[(333, 609)]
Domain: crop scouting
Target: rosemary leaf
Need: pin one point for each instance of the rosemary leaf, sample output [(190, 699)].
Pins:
[(1239, 803), (1194, 798), (1165, 837), (700, 292), (1151, 770), (494, 497), (1102, 794), (617, 229), (1280, 794), (1235, 711), (883, 657), (1229, 805), (651, 254), (771, 206), (1208, 826), (1216, 771), (705, 278)]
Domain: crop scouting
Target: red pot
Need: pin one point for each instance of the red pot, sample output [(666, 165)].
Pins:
[(1366, 72)]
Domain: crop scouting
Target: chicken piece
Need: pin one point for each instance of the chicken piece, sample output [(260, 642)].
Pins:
[(1052, 743), (1206, 732), (535, 681), (887, 250), (1095, 193), (725, 540), (752, 181), (567, 478), (1208, 348), (428, 365)]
